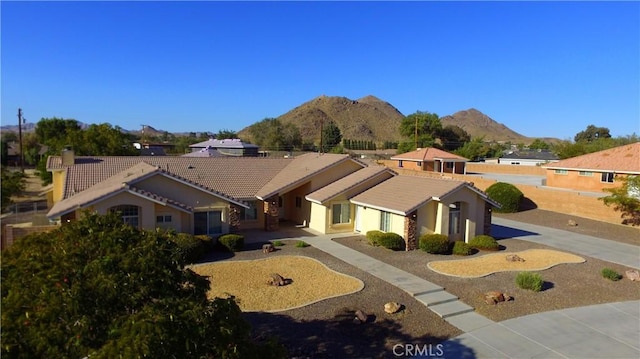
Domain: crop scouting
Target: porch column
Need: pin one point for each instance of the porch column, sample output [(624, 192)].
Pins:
[(410, 231), (271, 214), (234, 218)]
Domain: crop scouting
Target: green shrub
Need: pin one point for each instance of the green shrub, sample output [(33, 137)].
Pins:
[(278, 243), (391, 240), (530, 281), (208, 242), (484, 242), (302, 244), (188, 247), (507, 195), (233, 242), (611, 274), (373, 237), (434, 243), (462, 249)]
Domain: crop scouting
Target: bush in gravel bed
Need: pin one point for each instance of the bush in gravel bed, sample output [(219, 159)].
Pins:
[(233, 242), (390, 240), (373, 236), (462, 249), (278, 243), (188, 247), (507, 195), (434, 243), (530, 281), (302, 244), (610, 274), (484, 242)]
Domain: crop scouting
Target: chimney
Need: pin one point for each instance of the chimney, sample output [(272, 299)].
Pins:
[(68, 157)]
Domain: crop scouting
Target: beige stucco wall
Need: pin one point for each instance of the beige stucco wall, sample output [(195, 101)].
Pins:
[(370, 220), (176, 217), (146, 212), (58, 178), (183, 193), (319, 214), (426, 218), (573, 180)]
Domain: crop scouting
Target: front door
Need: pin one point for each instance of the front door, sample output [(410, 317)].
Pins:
[(357, 220), (455, 222)]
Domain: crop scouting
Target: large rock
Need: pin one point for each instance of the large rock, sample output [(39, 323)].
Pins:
[(392, 307), (276, 280), (361, 317), (634, 275), (514, 258), (494, 297)]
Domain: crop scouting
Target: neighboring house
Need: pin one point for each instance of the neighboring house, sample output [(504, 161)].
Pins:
[(595, 171), (205, 152), (329, 193), (227, 147), (528, 157), (432, 160)]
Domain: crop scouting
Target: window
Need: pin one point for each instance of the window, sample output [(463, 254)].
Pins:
[(454, 218), (128, 213), (585, 173), (341, 213), (251, 213), (561, 172), (298, 202), (385, 221), (448, 165), (399, 163), (163, 219), (207, 222), (607, 177)]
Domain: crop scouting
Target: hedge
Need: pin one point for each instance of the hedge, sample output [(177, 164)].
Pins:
[(233, 242), (484, 242), (507, 195), (434, 243)]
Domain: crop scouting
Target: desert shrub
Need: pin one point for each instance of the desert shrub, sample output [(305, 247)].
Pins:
[(610, 274), (391, 240), (373, 237), (302, 244), (208, 241), (434, 243), (507, 195), (278, 243), (461, 248), (188, 247), (233, 242), (484, 242), (530, 281)]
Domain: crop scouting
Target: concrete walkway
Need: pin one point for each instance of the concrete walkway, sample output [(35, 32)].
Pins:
[(610, 251)]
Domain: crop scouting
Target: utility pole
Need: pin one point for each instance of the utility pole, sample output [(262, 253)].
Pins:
[(416, 133), (321, 128), (20, 139)]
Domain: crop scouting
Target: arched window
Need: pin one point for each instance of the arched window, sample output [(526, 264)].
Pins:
[(130, 214)]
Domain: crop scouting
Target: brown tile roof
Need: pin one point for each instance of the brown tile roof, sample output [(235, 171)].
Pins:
[(299, 170), (428, 154), (622, 159), (237, 177), (343, 185), (123, 182), (404, 194)]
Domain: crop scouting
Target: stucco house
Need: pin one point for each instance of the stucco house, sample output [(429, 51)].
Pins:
[(595, 171), (527, 157), (432, 160), (227, 147), (329, 193)]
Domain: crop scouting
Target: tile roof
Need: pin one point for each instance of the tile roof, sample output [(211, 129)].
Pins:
[(622, 159), (226, 143), (428, 154), (404, 194), (349, 182), (237, 177), (299, 170)]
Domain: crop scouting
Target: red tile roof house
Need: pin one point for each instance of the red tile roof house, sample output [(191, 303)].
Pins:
[(218, 195), (595, 171), (432, 160)]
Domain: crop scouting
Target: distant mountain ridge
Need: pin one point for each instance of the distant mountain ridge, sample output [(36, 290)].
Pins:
[(477, 124)]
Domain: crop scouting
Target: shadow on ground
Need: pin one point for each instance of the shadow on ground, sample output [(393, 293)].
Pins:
[(340, 337), (502, 232)]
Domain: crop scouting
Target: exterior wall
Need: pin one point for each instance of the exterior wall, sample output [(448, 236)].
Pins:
[(188, 195), (332, 174), (299, 210), (370, 221), (176, 217), (483, 167), (573, 180), (472, 213), (58, 178), (410, 165), (11, 234), (521, 162), (426, 219), (340, 227), (146, 213), (319, 216), (256, 223)]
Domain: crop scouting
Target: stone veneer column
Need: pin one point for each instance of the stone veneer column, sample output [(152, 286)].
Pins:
[(410, 231), (271, 214), (234, 218), (487, 219)]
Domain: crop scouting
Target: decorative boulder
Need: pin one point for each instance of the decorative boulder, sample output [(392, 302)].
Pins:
[(267, 248), (392, 307), (514, 258), (633, 275), (572, 223), (361, 317), (495, 297), (276, 280)]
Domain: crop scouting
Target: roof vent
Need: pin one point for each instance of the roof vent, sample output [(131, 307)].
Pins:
[(190, 167)]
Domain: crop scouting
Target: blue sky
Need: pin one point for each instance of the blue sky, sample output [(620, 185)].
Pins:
[(541, 68)]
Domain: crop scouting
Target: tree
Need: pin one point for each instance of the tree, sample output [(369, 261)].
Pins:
[(331, 137), (12, 184), (271, 134), (100, 288), (453, 137), (478, 149), (592, 133), (625, 199), (539, 144), (224, 134)]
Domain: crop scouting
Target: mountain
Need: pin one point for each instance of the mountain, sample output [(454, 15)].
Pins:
[(478, 124), (368, 118)]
